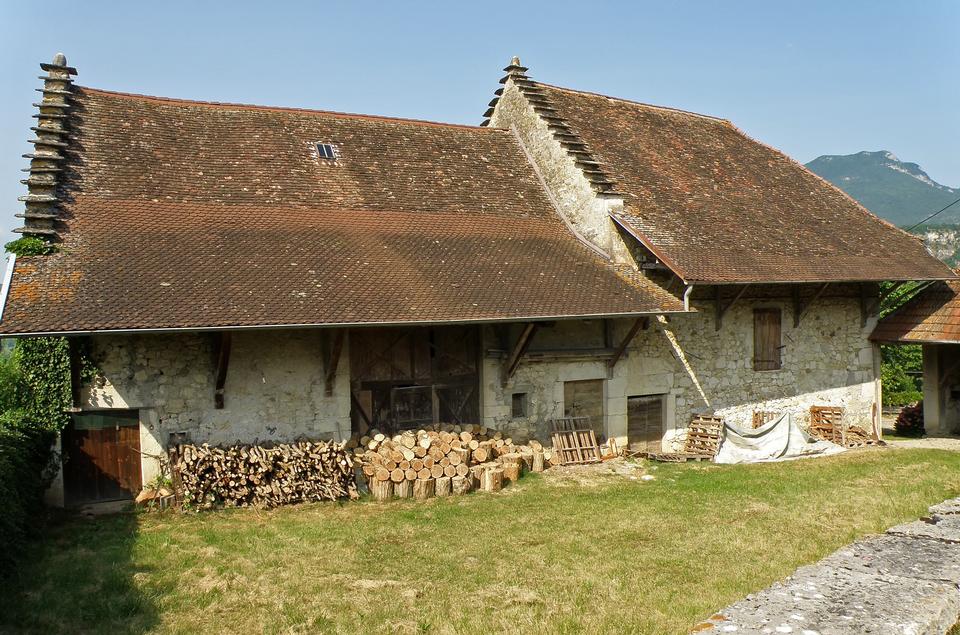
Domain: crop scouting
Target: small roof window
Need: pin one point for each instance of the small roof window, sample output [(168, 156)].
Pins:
[(327, 151)]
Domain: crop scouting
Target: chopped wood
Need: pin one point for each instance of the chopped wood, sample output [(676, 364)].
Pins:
[(449, 452), (460, 484), (267, 475), (381, 490), (493, 479), (403, 489), (424, 489), (444, 486)]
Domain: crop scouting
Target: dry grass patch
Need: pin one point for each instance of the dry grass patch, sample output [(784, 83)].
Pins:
[(620, 555)]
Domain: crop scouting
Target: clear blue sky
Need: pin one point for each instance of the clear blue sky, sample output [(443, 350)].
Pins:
[(810, 78)]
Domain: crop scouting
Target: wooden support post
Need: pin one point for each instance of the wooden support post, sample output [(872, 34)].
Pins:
[(333, 361), (721, 308), (223, 362), (519, 350), (622, 348)]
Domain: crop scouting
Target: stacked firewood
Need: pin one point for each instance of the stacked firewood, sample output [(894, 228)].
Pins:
[(262, 475), (443, 460)]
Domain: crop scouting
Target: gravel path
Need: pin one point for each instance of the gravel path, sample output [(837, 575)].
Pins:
[(904, 581), (934, 443)]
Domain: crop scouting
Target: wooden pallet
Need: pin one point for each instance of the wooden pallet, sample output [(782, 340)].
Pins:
[(574, 441), (826, 422), (702, 443), (763, 417)]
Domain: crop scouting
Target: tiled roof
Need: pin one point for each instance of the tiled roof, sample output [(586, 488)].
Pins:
[(933, 315), (195, 215), (719, 207)]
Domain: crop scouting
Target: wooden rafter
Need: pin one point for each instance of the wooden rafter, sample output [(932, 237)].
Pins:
[(333, 361), (638, 324), (723, 308), (519, 349), (801, 308), (223, 362)]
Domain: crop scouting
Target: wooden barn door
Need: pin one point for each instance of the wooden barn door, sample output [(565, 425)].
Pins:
[(645, 423), (584, 398), (409, 378), (101, 457)]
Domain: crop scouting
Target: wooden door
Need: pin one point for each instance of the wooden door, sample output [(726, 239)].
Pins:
[(101, 457), (645, 423), (585, 399)]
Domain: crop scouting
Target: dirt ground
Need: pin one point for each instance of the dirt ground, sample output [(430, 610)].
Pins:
[(932, 443)]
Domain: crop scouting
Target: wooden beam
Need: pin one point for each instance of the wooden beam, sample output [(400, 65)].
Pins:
[(804, 308), (333, 361), (622, 348), (519, 349), (721, 308), (223, 362)]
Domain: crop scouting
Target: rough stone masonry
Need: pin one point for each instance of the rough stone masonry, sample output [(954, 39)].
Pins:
[(904, 581)]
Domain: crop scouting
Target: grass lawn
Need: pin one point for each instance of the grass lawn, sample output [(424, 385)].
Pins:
[(548, 555)]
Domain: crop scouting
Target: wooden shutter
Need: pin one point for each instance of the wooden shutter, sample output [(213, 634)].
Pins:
[(766, 339)]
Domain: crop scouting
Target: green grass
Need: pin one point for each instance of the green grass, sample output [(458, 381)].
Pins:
[(554, 555)]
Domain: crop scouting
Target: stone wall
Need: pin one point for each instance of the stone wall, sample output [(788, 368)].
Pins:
[(584, 211), (274, 388), (827, 360)]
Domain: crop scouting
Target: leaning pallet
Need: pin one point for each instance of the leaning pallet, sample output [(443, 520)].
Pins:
[(704, 435), (827, 423), (574, 441)]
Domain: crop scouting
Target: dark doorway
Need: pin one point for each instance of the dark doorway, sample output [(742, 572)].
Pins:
[(408, 378), (645, 423), (584, 398), (101, 457)]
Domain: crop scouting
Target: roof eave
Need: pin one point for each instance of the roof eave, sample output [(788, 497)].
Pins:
[(331, 325)]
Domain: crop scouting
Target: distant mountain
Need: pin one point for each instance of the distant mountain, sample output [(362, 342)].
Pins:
[(900, 192)]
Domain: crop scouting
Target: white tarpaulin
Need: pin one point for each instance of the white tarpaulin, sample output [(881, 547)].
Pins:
[(778, 440)]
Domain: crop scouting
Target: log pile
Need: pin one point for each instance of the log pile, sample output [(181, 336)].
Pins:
[(262, 475), (443, 460)]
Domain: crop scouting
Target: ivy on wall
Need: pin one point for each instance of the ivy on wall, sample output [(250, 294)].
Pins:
[(45, 363)]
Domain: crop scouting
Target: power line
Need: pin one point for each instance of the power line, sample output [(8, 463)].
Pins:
[(936, 213)]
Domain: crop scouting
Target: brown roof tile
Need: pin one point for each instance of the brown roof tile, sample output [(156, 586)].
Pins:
[(933, 315), (195, 215), (719, 207)]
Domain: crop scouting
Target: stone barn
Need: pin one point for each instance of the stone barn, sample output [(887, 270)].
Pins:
[(244, 273)]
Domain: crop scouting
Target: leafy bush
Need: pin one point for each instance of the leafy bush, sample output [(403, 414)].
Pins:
[(30, 246), (901, 367), (25, 474), (910, 421), (904, 398)]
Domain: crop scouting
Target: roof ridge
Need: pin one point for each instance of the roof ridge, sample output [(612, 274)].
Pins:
[(635, 102), (242, 106), (598, 175)]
